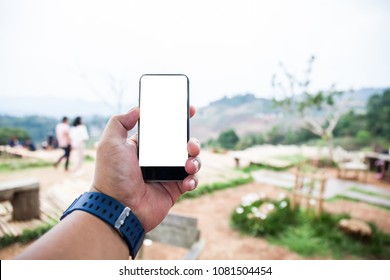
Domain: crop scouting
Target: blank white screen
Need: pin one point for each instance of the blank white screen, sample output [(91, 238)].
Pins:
[(163, 120)]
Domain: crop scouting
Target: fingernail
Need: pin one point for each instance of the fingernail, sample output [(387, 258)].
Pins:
[(196, 141), (196, 163), (192, 184)]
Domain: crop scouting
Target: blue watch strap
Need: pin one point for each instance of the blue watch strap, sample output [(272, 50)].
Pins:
[(114, 214)]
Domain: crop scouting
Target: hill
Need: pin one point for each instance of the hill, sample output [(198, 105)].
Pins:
[(245, 113), (53, 107), (249, 114)]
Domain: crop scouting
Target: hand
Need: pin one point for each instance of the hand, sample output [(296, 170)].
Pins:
[(118, 174)]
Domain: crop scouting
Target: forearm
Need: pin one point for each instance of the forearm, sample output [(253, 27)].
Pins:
[(79, 236)]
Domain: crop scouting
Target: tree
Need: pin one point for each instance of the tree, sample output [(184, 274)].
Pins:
[(319, 111), (349, 124), (7, 133), (228, 139), (117, 89), (378, 114)]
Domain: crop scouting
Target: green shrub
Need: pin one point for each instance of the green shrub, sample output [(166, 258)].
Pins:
[(210, 188), (305, 233), (26, 236)]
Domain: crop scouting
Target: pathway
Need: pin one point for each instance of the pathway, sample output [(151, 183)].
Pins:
[(334, 186)]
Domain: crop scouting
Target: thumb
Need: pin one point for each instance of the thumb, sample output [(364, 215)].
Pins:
[(128, 120), (121, 124)]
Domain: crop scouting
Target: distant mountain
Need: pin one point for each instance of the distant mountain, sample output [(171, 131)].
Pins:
[(52, 107), (358, 99), (249, 114), (245, 113)]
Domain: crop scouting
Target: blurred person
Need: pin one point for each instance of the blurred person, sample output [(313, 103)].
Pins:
[(78, 136), (88, 233), (64, 142), (51, 142), (14, 142), (382, 166), (29, 144)]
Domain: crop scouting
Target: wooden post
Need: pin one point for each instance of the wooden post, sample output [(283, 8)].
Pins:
[(295, 189), (25, 205), (24, 197), (237, 162), (303, 193)]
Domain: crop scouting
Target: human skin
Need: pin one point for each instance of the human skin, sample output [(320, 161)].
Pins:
[(117, 174)]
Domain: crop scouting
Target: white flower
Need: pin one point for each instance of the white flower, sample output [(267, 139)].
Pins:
[(270, 206), (262, 216), (283, 204), (281, 196), (249, 199), (239, 210)]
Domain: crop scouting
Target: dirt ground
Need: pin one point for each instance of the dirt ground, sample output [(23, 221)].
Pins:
[(223, 243), (213, 213)]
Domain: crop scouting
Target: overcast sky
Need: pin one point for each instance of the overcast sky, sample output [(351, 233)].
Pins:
[(225, 47)]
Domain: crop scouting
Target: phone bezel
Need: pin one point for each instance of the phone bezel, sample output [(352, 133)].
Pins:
[(164, 173)]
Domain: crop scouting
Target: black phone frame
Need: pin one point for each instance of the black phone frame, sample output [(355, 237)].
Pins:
[(164, 173)]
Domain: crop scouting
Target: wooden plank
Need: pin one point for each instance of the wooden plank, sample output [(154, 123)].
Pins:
[(24, 184), (49, 214), (9, 188), (9, 230), (3, 228), (50, 211), (5, 208)]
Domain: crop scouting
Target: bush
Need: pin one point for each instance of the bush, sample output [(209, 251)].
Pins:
[(244, 218), (26, 236), (363, 137), (228, 139), (307, 234)]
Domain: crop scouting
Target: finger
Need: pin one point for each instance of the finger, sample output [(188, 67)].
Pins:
[(192, 111), (121, 124), (193, 147), (134, 138), (193, 165), (189, 184), (130, 119)]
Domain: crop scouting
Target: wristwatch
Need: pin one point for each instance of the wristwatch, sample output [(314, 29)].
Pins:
[(113, 213)]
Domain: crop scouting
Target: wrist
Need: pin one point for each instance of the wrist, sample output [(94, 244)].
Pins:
[(115, 214), (111, 244), (134, 208)]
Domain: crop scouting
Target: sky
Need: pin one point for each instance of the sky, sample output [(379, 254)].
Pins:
[(76, 49)]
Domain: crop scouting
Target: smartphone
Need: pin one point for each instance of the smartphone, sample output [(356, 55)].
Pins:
[(163, 126)]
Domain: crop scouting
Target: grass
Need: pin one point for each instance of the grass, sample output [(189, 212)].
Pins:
[(13, 164), (210, 188), (255, 167), (359, 190), (26, 236), (340, 196), (89, 158), (308, 235), (293, 159)]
